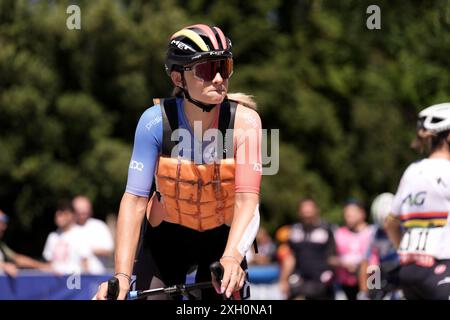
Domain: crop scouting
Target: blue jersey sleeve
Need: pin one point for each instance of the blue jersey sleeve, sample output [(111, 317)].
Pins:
[(146, 149)]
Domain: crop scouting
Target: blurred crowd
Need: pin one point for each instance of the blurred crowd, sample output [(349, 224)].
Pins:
[(322, 261), (80, 243), (316, 259)]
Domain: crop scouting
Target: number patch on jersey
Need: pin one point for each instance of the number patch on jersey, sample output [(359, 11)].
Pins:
[(419, 245)]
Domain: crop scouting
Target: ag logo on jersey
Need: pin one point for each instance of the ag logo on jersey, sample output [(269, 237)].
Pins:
[(417, 199), (136, 165), (441, 182)]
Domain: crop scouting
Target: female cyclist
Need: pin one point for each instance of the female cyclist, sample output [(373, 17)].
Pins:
[(419, 224), (200, 151)]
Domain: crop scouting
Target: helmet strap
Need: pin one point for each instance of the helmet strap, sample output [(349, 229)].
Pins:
[(205, 107)]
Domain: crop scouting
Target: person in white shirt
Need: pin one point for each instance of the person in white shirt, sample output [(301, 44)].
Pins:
[(66, 248), (96, 233), (419, 224)]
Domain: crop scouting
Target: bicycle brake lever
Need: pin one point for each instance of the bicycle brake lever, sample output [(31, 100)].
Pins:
[(217, 270), (113, 289)]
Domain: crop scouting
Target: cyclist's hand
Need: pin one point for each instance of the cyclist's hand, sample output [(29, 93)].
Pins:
[(102, 291), (233, 276)]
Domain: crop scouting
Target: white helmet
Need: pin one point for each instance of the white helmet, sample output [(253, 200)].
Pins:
[(381, 207), (435, 118)]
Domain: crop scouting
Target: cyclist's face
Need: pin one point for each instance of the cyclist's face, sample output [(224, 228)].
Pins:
[(209, 92)]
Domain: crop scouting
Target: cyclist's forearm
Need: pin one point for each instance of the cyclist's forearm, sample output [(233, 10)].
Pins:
[(244, 225), (131, 215), (393, 229)]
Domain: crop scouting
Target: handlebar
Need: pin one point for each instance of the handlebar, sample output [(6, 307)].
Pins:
[(113, 286)]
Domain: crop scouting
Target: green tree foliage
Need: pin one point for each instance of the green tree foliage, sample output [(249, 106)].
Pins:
[(344, 97)]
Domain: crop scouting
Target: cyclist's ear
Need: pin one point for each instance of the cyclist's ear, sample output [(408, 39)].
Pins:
[(177, 79)]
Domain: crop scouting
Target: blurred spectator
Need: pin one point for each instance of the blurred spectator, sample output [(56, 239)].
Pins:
[(10, 260), (282, 239), (66, 248), (306, 271), (96, 233), (381, 253), (266, 249), (352, 243)]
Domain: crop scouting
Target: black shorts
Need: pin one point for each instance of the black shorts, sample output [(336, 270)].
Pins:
[(427, 283), (169, 252)]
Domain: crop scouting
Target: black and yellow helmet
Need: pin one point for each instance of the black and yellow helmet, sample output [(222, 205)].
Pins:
[(196, 43)]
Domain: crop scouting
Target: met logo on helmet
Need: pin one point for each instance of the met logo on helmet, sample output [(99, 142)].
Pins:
[(182, 46), (216, 53), (134, 165)]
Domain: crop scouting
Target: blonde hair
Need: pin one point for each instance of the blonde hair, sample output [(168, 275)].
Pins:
[(243, 99)]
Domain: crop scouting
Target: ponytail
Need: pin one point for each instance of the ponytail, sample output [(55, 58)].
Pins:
[(243, 99)]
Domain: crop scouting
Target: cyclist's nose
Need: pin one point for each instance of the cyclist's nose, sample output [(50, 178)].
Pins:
[(217, 78)]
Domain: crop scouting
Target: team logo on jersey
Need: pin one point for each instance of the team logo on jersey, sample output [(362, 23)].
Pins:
[(440, 269), (417, 199), (134, 165), (257, 167), (250, 119), (441, 182), (153, 122)]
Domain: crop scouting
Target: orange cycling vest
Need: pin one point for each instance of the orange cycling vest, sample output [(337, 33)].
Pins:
[(197, 196)]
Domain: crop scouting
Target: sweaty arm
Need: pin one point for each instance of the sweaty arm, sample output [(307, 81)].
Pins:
[(134, 201), (245, 224), (392, 225)]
